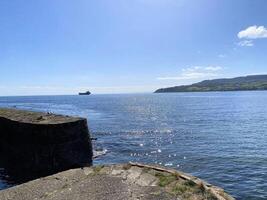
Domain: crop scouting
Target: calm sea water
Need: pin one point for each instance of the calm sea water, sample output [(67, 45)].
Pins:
[(219, 137)]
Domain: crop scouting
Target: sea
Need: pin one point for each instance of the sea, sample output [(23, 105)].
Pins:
[(220, 137)]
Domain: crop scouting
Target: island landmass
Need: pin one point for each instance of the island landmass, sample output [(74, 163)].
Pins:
[(245, 83)]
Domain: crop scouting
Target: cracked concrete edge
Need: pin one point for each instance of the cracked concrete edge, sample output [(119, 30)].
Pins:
[(133, 173), (217, 192)]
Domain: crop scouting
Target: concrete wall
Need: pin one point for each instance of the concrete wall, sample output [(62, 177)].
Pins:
[(29, 146)]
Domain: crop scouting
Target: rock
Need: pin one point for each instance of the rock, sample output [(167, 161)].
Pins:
[(37, 144)]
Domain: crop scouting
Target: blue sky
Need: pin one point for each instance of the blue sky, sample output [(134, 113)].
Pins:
[(124, 46)]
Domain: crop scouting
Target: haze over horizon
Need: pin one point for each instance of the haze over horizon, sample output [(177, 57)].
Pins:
[(59, 47)]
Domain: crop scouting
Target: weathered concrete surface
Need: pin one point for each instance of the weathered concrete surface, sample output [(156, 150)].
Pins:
[(42, 143), (117, 182)]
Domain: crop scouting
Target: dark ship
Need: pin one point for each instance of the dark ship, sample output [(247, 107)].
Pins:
[(85, 93)]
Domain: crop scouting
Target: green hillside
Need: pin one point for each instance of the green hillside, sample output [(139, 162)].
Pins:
[(255, 82)]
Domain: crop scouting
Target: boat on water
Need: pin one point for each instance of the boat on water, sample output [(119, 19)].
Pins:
[(85, 93)]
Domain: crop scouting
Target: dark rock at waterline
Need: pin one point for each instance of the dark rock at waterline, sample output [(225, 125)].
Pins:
[(36, 144)]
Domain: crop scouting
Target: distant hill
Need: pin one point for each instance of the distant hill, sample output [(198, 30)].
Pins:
[(254, 82)]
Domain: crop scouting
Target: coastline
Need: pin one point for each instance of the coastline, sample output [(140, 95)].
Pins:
[(10, 119)]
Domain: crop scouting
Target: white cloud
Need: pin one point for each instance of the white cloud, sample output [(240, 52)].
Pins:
[(196, 72), (213, 68), (253, 32), (246, 43)]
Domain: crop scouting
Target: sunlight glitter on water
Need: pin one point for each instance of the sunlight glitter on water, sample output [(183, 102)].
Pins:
[(219, 137)]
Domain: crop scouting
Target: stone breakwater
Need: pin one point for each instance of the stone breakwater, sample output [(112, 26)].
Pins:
[(35, 143), (131, 181)]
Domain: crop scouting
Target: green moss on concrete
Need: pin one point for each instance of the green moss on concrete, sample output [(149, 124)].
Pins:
[(191, 191), (164, 179), (190, 183), (98, 168)]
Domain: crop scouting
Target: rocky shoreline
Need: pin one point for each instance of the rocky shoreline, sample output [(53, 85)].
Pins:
[(42, 144), (131, 181)]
